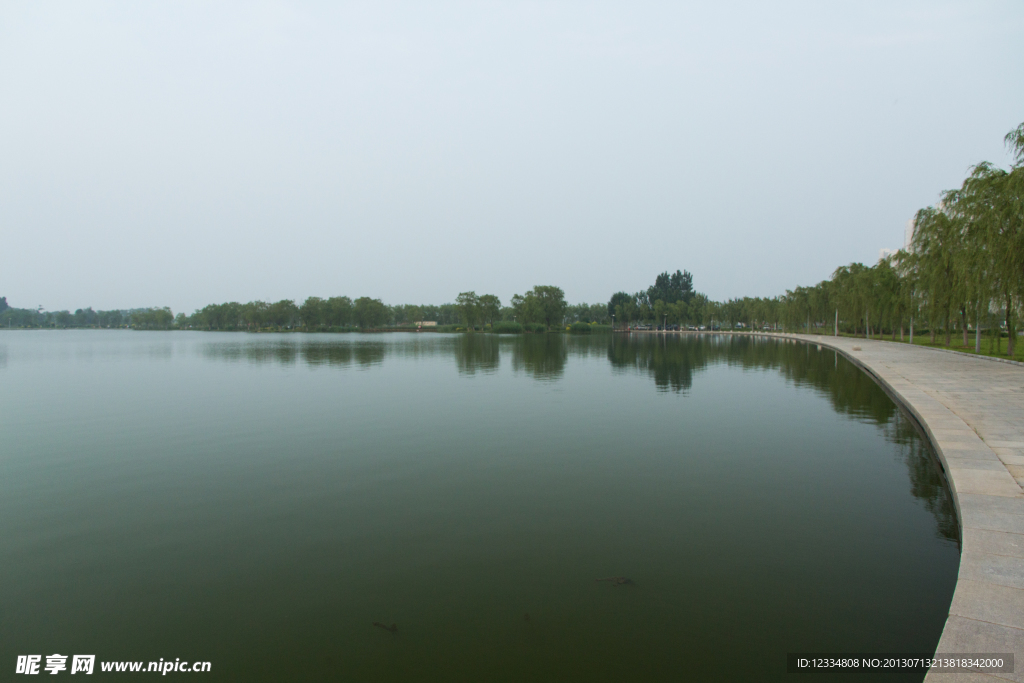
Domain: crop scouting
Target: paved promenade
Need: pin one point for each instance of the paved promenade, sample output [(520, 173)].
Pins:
[(973, 411)]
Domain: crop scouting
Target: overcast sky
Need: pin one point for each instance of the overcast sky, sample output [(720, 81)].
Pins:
[(183, 153)]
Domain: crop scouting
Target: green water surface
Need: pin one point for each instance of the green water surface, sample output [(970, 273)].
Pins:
[(259, 501)]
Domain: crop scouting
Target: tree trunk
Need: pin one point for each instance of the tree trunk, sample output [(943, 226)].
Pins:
[(977, 331), (963, 321), (949, 328), (867, 326), (1009, 327)]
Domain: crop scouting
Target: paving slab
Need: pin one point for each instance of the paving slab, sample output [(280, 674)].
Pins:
[(972, 410), (990, 602), (989, 568), (996, 513), (957, 460), (994, 542), (970, 678), (995, 483)]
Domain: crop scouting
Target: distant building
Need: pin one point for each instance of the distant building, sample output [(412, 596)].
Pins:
[(882, 253), (426, 323)]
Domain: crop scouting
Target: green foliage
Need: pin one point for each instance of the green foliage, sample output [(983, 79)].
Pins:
[(489, 308), (617, 305), (588, 313), (671, 288), (670, 300), (313, 313), (967, 257), (253, 316), (551, 304), (477, 310), (469, 308), (151, 319), (1015, 141), (507, 327), (338, 311), (543, 304), (370, 313), (588, 328), (28, 318)]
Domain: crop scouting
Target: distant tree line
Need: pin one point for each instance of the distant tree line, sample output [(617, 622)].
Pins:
[(543, 305), (342, 313), (315, 314), (137, 318)]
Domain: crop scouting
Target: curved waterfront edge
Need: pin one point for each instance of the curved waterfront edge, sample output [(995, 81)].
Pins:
[(972, 412)]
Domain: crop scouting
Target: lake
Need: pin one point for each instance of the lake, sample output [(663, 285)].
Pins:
[(258, 501)]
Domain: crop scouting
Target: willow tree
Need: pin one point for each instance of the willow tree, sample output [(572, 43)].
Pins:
[(699, 309), (975, 272), (903, 306), (819, 297), (1012, 209), (938, 243), (987, 199), (887, 293), (851, 294)]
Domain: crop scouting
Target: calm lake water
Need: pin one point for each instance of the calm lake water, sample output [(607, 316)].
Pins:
[(259, 501)]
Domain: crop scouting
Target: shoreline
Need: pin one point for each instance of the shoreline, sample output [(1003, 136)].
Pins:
[(972, 412)]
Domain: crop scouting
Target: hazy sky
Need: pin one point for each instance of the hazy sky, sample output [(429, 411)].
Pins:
[(185, 153)]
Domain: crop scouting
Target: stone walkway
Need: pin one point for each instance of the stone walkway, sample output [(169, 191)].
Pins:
[(973, 412)]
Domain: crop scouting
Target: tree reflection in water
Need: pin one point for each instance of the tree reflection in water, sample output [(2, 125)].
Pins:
[(542, 356), (287, 352), (475, 352), (670, 361)]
